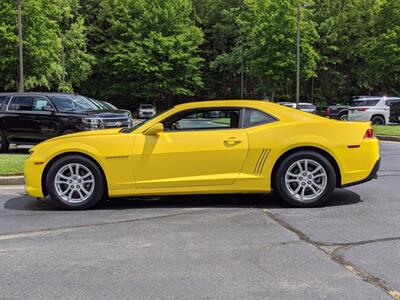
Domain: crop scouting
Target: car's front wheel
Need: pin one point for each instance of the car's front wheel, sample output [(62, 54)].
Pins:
[(75, 182), (305, 179)]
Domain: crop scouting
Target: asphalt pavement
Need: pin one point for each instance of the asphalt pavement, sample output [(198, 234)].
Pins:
[(207, 247)]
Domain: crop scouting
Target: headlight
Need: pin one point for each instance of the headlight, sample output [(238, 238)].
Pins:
[(92, 123)]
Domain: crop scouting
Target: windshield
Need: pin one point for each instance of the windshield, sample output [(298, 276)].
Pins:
[(146, 106), (365, 102), (73, 103)]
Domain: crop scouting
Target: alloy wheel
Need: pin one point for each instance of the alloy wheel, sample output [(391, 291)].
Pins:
[(74, 183), (306, 180)]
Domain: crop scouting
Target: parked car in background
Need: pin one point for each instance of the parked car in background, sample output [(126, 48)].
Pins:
[(338, 112), (373, 109), (30, 118), (304, 106), (395, 112), (146, 111)]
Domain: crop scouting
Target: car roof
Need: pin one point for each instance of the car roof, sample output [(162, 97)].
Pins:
[(365, 98), (36, 93)]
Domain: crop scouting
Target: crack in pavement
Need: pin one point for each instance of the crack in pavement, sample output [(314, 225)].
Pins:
[(336, 253), (63, 229)]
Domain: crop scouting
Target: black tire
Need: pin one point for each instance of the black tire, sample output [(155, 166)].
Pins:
[(4, 144), (329, 183), (344, 117), (99, 187), (378, 120)]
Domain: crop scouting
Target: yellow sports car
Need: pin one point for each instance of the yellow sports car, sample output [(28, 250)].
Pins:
[(206, 148)]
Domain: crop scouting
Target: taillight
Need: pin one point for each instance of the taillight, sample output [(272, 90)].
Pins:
[(369, 134), (328, 111), (362, 109)]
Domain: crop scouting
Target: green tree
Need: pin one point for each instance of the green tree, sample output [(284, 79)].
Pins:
[(76, 61), (380, 72), (41, 44), (149, 49)]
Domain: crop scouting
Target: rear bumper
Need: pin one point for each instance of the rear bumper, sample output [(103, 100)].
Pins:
[(372, 175)]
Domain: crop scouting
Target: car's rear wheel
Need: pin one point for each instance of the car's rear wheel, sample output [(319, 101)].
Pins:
[(75, 182), (378, 120), (344, 117), (305, 179), (4, 144)]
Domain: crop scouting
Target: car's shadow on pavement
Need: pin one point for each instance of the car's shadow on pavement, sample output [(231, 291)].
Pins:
[(340, 197)]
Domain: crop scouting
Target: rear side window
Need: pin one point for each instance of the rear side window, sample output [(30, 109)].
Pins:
[(21, 103), (254, 117), (365, 102)]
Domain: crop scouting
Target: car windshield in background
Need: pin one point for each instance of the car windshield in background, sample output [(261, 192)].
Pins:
[(365, 102), (73, 103), (146, 106), (306, 106)]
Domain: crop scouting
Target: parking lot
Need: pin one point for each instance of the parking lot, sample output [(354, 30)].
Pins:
[(207, 247)]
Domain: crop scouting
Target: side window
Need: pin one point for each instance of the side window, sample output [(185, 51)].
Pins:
[(255, 117), (41, 104), (2, 100), (204, 120), (21, 103)]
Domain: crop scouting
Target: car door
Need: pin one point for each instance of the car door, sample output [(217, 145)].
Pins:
[(197, 148), (29, 119)]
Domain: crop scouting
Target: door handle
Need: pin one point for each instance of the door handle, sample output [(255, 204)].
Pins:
[(232, 141)]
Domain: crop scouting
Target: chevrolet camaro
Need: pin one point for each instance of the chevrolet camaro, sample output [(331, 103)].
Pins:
[(209, 147)]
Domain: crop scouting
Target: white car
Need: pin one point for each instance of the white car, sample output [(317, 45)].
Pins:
[(304, 106), (372, 109), (146, 111)]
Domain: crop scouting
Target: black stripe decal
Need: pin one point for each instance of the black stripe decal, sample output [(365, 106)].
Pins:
[(263, 161), (258, 161)]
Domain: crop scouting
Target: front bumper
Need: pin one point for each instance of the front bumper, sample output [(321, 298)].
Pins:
[(372, 175), (33, 178)]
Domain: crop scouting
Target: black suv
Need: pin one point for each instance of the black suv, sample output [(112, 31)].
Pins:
[(29, 118)]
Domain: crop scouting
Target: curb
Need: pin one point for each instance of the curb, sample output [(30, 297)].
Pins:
[(12, 180), (388, 138)]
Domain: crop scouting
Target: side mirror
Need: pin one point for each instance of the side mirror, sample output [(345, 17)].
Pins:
[(155, 129)]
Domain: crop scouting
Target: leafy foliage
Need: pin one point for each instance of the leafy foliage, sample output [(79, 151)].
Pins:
[(139, 50)]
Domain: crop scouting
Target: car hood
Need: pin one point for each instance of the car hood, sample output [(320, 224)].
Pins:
[(102, 132), (102, 112)]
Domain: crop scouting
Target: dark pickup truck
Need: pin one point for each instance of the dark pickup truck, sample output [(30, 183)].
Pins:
[(29, 118), (339, 112), (394, 116)]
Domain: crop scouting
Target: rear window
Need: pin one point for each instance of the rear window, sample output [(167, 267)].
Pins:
[(365, 102)]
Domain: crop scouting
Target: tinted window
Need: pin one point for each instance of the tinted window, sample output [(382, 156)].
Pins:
[(146, 106), (388, 102), (24, 103), (204, 119), (72, 103), (365, 102), (2, 100), (255, 117)]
